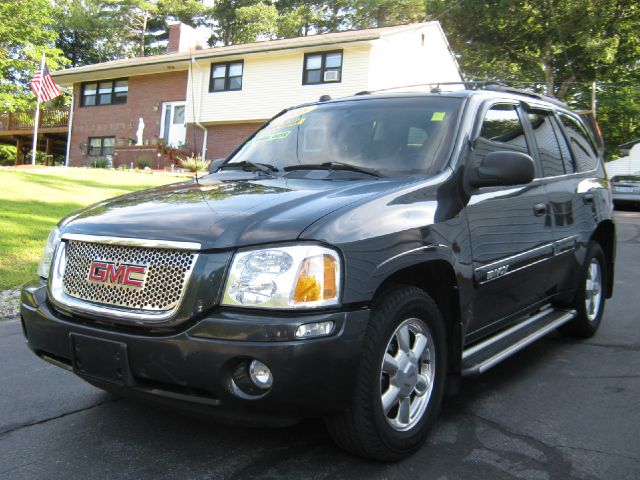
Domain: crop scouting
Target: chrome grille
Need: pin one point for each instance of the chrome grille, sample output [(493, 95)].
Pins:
[(167, 275)]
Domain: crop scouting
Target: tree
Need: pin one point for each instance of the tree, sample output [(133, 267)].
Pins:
[(551, 42), (224, 13), (26, 32), (298, 18), (189, 12), (305, 17), (238, 21), (94, 31), (558, 47), (619, 114), (256, 22), (382, 13), (86, 32), (133, 17)]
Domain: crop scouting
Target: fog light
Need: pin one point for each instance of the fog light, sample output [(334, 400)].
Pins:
[(260, 375), (317, 329)]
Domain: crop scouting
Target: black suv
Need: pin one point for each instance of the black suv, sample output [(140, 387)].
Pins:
[(348, 261)]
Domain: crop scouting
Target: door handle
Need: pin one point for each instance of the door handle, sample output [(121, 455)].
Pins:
[(587, 198), (540, 209)]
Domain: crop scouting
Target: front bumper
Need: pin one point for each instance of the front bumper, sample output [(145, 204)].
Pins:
[(626, 197), (193, 367)]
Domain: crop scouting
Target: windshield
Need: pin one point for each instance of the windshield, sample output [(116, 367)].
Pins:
[(389, 135)]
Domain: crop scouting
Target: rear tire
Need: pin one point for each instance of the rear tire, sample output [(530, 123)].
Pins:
[(401, 378), (590, 296)]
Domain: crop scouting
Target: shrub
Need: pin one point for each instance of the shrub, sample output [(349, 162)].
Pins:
[(7, 155), (143, 162), (100, 163), (194, 163)]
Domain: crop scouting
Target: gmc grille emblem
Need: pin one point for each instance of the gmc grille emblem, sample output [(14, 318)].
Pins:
[(111, 273)]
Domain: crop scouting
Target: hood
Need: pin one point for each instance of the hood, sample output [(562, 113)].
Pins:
[(225, 210)]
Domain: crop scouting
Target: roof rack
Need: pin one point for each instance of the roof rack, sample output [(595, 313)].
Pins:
[(490, 85), (500, 87), (435, 86), (468, 85)]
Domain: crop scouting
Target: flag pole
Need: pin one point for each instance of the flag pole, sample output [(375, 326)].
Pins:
[(37, 117), (70, 126)]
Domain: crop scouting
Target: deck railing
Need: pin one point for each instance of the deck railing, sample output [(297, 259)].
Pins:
[(24, 120)]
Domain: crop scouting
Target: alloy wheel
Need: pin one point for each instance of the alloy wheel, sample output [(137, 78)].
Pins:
[(593, 290), (407, 374)]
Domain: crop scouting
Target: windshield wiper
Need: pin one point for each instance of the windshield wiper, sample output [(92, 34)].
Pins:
[(263, 167), (333, 166)]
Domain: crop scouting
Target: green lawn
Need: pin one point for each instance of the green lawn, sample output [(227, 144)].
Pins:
[(33, 201)]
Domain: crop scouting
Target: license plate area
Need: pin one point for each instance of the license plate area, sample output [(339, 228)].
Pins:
[(101, 359)]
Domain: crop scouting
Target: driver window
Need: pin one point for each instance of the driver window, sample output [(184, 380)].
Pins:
[(501, 130)]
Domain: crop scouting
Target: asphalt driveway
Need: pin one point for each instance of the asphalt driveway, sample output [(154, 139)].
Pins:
[(560, 409)]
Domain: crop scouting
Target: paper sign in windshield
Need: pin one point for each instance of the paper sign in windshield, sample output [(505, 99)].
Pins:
[(273, 136)]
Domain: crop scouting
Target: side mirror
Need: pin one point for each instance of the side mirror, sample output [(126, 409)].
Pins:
[(215, 164), (499, 169)]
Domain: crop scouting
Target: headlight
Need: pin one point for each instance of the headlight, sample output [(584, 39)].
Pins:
[(298, 276), (47, 253)]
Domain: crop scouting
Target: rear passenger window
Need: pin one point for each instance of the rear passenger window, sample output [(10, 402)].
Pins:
[(501, 130), (550, 155), (583, 149), (567, 158)]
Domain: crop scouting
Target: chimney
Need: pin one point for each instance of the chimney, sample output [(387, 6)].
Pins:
[(183, 38)]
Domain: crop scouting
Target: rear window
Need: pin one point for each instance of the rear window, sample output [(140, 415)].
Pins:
[(391, 135)]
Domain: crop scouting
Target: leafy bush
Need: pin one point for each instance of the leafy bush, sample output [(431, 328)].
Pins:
[(100, 163), (7, 155), (194, 163), (143, 162)]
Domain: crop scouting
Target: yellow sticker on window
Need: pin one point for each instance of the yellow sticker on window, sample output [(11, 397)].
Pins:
[(292, 115), (267, 137), (437, 116)]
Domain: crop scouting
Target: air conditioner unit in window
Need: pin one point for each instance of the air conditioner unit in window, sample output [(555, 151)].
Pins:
[(331, 76)]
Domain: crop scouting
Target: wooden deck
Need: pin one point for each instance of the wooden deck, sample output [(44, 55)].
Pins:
[(16, 128), (21, 123)]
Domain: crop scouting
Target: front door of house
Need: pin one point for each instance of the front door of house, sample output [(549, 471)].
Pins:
[(173, 126)]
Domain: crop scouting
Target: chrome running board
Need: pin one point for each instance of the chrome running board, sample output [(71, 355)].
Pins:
[(480, 357)]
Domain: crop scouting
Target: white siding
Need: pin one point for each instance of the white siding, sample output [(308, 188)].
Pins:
[(272, 82), (407, 58)]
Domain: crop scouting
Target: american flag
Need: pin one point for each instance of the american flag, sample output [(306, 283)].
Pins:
[(44, 87)]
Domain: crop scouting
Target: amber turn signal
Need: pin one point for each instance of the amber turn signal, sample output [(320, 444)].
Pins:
[(316, 280)]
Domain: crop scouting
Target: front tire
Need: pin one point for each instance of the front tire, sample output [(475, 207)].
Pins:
[(590, 296), (401, 378)]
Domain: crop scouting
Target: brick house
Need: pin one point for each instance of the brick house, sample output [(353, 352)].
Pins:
[(208, 100)]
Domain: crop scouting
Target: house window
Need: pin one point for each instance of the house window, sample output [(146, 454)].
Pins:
[(322, 67), (104, 92), (226, 76), (101, 146)]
